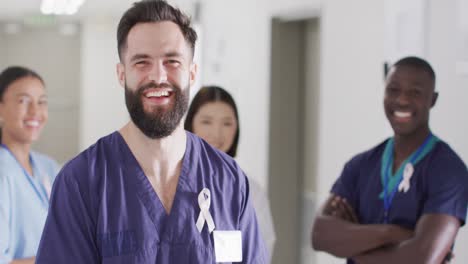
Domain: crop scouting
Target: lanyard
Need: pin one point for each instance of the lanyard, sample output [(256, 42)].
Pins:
[(388, 197), (39, 190)]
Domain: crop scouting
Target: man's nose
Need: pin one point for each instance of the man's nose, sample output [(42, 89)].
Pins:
[(403, 99), (158, 73)]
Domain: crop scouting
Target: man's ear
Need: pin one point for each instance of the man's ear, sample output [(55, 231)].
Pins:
[(120, 68), (435, 95), (193, 73)]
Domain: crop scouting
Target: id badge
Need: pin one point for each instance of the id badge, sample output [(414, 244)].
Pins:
[(228, 245)]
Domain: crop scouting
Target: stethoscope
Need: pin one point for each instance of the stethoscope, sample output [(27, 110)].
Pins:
[(388, 198)]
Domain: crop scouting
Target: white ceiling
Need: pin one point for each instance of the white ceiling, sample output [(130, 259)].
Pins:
[(19, 9)]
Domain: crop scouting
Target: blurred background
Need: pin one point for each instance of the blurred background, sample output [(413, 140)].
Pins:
[(307, 76)]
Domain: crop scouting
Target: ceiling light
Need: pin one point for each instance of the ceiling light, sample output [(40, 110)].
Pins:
[(60, 7)]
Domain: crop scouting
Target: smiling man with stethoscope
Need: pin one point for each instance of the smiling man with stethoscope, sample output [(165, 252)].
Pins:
[(404, 200)]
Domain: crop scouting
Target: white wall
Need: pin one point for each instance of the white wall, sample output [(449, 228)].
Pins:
[(351, 118), (405, 28), (449, 117), (56, 57), (102, 108), (236, 56)]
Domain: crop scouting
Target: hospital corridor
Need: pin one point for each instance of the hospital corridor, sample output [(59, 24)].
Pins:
[(249, 131)]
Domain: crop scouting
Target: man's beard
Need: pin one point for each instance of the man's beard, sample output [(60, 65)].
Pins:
[(160, 122)]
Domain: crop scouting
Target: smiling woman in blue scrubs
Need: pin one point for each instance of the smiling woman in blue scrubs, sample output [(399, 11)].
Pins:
[(25, 176)]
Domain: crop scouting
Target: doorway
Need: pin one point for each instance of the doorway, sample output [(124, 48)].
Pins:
[(293, 155)]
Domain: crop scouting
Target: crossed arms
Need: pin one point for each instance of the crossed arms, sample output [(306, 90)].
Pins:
[(337, 231)]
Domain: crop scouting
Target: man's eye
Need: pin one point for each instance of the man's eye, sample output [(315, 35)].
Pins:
[(24, 100), (173, 62), (392, 90), (415, 93), (141, 63)]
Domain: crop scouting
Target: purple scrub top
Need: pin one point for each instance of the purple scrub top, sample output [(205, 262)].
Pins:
[(439, 185), (104, 210)]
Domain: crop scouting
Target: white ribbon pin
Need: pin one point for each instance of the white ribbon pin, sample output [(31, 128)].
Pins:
[(407, 173), (204, 201)]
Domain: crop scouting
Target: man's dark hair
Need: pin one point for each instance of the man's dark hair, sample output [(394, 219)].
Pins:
[(148, 11), (211, 94), (418, 63)]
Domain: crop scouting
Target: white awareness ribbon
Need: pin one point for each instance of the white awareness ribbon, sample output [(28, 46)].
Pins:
[(204, 201), (407, 173)]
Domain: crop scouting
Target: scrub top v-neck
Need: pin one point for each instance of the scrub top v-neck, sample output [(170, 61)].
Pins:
[(24, 201)]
